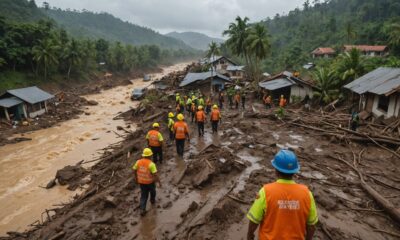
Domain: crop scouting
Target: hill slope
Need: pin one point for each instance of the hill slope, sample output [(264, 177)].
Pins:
[(195, 40), (327, 23), (20, 10), (104, 25)]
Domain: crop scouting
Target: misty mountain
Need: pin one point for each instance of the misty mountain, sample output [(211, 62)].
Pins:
[(195, 40)]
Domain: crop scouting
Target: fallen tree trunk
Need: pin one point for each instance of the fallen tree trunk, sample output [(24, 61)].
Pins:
[(149, 118)]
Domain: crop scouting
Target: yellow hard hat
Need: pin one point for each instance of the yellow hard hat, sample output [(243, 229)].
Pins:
[(156, 125), (215, 106), (177, 94), (171, 115), (180, 117), (200, 107), (282, 96), (147, 152)]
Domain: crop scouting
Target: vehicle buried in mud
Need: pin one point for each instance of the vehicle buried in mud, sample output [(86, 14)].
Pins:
[(138, 93)]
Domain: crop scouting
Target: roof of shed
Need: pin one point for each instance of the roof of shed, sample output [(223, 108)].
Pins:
[(31, 95), (194, 77), (380, 81), (9, 102), (276, 84)]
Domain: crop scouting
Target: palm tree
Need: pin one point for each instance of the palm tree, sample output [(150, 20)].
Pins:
[(259, 46), (394, 34), (351, 34), (350, 65), (213, 50), (327, 86), (72, 55), (45, 54), (237, 33)]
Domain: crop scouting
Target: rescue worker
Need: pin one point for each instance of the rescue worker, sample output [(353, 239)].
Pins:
[(208, 105), (267, 101), (354, 121), (171, 123), (221, 99), (237, 100), (282, 101), (200, 119), (145, 174), (181, 134), (215, 118), (193, 111), (230, 93), (201, 101), (177, 98), (189, 105), (182, 105), (178, 108), (283, 210), (155, 141), (243, 98)]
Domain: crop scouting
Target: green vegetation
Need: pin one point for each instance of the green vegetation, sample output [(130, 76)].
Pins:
[(195, 40)]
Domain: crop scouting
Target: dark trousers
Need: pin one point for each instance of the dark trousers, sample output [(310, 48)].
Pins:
[(157, 154), (192, 115), (208, 109), (243, 102), (171, 135), (180, 146), (230, 99), (200, 127), (214, 125), (221, 104), (145, 190), (354, 126), (268, 105), (237, 104)]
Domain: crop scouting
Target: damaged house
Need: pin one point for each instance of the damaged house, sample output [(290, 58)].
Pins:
[(288, 85), (22, 103), (204, 81), (379, 92)]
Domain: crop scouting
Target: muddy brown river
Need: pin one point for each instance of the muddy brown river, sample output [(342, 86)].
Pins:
[(27, 165)]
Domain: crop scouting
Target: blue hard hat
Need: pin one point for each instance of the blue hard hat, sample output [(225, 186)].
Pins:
[(285, 161)]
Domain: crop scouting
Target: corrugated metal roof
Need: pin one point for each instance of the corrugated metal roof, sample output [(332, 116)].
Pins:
[(366, 48), (194, 77), (380, 81), (276, 84), (10, 102), (323, 50), (31, 95), (235, 68)]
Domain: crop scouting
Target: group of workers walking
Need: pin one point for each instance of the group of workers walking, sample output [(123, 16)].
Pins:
[(281, 210)]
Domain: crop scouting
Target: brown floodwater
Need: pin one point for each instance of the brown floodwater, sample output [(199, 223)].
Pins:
[(27, 165)]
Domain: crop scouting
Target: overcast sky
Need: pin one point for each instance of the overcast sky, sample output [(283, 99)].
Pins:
[(207, 16)]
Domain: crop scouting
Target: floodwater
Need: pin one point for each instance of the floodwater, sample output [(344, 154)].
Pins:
[(27, 165)]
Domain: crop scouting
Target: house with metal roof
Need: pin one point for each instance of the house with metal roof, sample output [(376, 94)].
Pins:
[(288, 85), (236, 73), (368, 50), (218, 63), (323, 52), (24, 102), (204, 81), (379, 92)]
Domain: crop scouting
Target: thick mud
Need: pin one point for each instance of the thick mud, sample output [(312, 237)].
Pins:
[(206, 194)]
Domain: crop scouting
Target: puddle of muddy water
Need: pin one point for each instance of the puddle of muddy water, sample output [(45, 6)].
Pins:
[(27, 165)]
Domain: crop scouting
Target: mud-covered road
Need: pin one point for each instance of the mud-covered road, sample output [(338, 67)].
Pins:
[(27, 165)]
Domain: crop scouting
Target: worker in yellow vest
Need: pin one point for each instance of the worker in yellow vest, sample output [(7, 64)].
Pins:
[(145, 174), (283, 210), (155, 141), (171, 123)]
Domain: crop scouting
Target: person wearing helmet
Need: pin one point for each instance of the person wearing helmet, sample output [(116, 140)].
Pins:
[(145, 174), (208, 105), (237, 99), (200, 119), (171, 123), (193, 111), (282, 101), (189, 105), (177, 98), (284, 209), (181, 134), (201, 102), (155, 141), (215, 118)]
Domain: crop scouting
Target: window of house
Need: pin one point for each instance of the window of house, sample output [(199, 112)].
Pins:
[(383, 103)]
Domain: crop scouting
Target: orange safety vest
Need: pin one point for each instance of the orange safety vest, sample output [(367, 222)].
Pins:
[(153, 138), (193, 108), (282, 102), (144, 176), (237, 98), (267, 100), (208, 102), (215, 115), (181, 129), (288, 206), (200, 116)]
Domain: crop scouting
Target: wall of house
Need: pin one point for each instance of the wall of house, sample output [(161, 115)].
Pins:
[(393, 109), (301, 90), (36, 109)]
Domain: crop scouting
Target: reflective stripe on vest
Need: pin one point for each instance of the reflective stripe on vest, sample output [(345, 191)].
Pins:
[(143, 173), (288, 206), (180, 130), (200, 116), (215, 115), (153, 138)]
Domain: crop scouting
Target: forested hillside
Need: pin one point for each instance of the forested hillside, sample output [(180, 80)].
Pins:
[(104, 25), (195, 40), (328, 23), (21, 11)]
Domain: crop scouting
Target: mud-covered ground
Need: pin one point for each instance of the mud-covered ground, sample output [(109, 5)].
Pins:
[(206, 194)]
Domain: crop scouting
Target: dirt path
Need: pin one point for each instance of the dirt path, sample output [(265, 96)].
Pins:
[(206, 194), (27, 165)]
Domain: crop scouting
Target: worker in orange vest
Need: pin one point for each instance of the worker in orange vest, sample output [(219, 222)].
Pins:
[(208, 105), (237, 99), (155, 141), (200, 119), (145, 174), (193, 111), (267, 101), (282, 101), (215, 118), (181, 134), (284, 210)]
